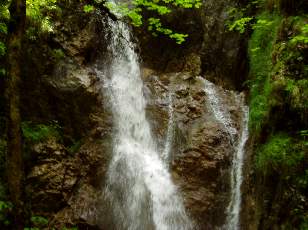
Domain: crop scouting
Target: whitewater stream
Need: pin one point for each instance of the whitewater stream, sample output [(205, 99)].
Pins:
[(236, 178), (139, 185)]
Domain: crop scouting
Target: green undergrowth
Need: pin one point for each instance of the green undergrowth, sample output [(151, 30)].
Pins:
[(260, 49), (40, 14), (278, 102), (34, 133), (40, 223), (5, 210), (75, 146), (4, 17), (280, 152), (278, 68), (283, 161), (150, 14)]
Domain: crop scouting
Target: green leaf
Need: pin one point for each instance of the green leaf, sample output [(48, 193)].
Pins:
[(135, 10), (88, 8), (3, 28), (39, 220)]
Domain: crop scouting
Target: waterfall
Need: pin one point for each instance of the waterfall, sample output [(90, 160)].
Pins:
[(218, 110), (139, 187), (234, 207), (222, 116), (170, 130)]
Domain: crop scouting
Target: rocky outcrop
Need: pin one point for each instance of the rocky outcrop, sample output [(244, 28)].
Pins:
[(64, 183), (58, 83), (224, 53), (201, 151), (66, 186)]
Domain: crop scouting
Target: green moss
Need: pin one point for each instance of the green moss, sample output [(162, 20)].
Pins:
[(40, 14), (260, 55), (40, 132), (39, 221), (58, 54), (5, 209), (278, 108), (75, 147), (279, 152), (277, 68)]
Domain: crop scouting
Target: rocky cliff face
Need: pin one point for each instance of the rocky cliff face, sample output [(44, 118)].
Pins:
[(221, 54), (224, 53), (201, 149), (66, 186)]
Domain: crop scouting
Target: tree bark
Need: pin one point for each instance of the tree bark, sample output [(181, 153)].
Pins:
[(15, 172)]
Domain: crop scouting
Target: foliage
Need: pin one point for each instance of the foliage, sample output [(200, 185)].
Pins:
[(4, 16), (4, 12), (75, 147), (88, 8), (285, 158), (2, 49), (40, 12), (58, 54), (260, 50), (278, 106), (279, 152), (290, 67), (302, 37), (3, 28), (240, 24), (5, 209), (40, 132), (155, 26), (39, 220), (237, 21), (40, 223), (136, 9)]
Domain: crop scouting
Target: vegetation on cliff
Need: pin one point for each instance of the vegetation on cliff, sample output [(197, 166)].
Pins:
[(27, 29), (278, 85)]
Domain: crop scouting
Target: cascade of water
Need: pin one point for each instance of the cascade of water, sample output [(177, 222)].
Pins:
[(221, 115), (170, 130), (139, 186), (217, 108), (234, 207)]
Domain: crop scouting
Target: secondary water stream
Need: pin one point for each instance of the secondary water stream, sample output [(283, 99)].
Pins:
[(170, 130), (238, 140)]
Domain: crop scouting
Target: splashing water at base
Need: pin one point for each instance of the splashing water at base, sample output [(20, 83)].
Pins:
[(139, 187)]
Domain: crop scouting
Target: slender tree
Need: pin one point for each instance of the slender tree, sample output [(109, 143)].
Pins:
[(15, 170)]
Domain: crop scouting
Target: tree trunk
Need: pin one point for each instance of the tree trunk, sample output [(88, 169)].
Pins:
[(15, 172)]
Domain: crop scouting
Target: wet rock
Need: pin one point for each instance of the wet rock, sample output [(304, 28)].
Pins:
[(201, 150), (81, 209), (67, 187), (51, 178)]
